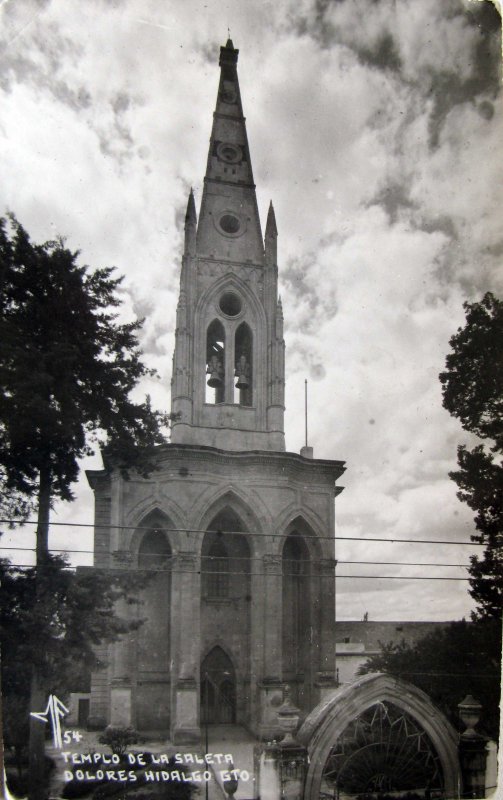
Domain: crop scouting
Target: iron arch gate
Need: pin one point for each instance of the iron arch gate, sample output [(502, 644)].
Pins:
[(382, 752), (379, 738)]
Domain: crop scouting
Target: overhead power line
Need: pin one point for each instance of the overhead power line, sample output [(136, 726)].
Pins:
[(243, 573), (293, 534), (259, 558)]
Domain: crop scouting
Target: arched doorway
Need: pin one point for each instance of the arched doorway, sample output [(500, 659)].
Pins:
[(218, 689), (379, 736)]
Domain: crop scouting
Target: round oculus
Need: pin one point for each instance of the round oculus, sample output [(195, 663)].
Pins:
[(230, 224), (230, 304), (231, 153)]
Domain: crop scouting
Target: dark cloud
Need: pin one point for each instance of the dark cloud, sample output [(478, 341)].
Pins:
[(209, 52), (447, 88), (495, 249), (442, 223), (381, 50), (486, 109), (294, 276), (317, 372), (393, 198), (121, 102), (383, 53)]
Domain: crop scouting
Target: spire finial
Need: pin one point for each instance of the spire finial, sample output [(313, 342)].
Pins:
[(228, 54)]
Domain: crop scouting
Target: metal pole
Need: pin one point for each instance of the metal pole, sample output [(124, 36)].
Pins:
[(206, 724), (305, 404)]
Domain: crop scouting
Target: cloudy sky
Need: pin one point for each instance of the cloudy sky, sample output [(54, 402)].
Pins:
[(375, 128)]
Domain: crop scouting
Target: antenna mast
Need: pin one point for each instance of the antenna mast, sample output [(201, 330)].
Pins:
[(305, 404)]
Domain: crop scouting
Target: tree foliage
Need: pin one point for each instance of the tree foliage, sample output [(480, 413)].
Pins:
[(449, 663), (67, 368), (473, 392), (53, 618)]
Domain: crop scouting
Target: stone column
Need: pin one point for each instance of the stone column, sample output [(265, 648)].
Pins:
[(185, 626), (123, 661), (325, 669), (281, 768), (472, 750), (270, 685)]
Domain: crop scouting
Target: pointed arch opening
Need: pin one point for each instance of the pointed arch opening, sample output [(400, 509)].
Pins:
[(215, 363), (296, 605), (218, 688), (243, 368), (225, 564)]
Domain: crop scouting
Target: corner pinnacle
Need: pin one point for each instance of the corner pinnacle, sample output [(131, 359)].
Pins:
[(190, 214)]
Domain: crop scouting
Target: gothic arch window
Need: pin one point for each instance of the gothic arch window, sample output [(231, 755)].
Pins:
[(216, 571), (154, 550), (215, 362), (243, 357)]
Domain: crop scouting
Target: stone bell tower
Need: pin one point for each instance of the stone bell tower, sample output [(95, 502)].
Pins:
[(228, 382), (237, 533)]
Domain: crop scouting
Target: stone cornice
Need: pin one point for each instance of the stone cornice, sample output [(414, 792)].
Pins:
[(292, 461), (289, 463)]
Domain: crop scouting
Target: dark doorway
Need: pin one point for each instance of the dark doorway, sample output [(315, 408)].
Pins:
[(218, 689)]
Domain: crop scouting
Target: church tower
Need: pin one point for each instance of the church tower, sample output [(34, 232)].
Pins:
[(237, 534), (228, 381)]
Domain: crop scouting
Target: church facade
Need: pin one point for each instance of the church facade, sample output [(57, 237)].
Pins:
[(237, 533)]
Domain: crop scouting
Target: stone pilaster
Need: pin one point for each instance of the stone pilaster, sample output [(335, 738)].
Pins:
[(325, 569), (185, 625), (272, 616), (270, 686)]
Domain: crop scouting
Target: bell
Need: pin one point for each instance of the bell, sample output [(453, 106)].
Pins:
[(242, 382), (214, 380)]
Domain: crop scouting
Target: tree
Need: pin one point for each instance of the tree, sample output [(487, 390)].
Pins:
[(449, 663), (54, 620), (67, 369), (473, 392)]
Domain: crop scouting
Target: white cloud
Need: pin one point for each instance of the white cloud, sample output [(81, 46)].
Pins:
[(106, 115)]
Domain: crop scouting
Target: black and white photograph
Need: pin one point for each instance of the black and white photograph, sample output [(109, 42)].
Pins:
[(251, 399)]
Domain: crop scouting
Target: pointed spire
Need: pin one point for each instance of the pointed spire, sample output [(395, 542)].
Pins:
[(270, 228), (229, 191), (271, 238), (190, 225), (228, 54), (280, 308), (190, 214)]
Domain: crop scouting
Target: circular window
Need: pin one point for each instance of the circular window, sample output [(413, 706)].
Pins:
[(229, 223), (229, 152), (230, 304)]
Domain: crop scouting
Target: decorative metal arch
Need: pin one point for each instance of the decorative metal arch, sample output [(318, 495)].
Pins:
[(375, 733), (383, 750)]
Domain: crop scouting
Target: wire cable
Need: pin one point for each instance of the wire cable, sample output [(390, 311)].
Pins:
[(277, 573), (292, 535)]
